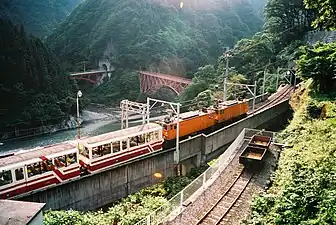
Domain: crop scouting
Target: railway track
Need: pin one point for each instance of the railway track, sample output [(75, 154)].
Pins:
[(277, 98), (217, 213)]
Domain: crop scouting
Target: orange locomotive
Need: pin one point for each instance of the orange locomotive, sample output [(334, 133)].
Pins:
[(195, 121)]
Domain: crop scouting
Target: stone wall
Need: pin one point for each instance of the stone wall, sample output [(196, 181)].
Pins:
[(323, 36)]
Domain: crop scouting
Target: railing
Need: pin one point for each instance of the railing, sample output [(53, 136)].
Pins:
[(176, 204)]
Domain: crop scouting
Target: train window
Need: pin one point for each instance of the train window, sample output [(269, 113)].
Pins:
[(172, 127), (106, 149), (134, 141), (71, 159), (19, 174), (165, 127), (60, 161), (46, 166), (96, 152), (148, 137), (116, 146), (152, 136), (124, 145), (142, 139), (6, 177), (156, 135), (84, 151), (175, 126), (35, 169)]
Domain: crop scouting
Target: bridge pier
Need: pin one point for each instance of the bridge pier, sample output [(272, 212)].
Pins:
[(105, 65)]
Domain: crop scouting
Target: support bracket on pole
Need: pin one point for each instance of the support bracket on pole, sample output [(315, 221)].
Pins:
[(151, 102), (248, 87), (127, 106)]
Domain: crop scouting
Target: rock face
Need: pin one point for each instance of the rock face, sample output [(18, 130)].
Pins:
[(323, 36)]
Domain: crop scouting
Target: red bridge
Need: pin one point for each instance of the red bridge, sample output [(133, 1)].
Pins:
[(151, 82), (95, 77)]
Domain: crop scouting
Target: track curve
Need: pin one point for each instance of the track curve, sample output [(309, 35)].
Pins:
[(217, 213)]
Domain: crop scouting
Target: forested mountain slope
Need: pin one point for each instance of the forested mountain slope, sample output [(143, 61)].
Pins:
[(275, 47), (33, 87), (39, 17), (153, 34)]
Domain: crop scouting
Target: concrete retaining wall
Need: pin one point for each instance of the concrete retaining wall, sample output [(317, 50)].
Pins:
[(97, 190)]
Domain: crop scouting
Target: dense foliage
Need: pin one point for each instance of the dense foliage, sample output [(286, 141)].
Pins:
[(130, 209), (207, 86), (286, 22), (39, 17), (303, 191), (326, 13), (150, 34), (33, 88), (124, 84), (319, 63)]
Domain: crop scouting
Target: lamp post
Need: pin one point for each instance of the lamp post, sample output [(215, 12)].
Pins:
[(79, 95)]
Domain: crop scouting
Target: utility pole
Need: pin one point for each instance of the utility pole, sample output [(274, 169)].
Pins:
[(254, 95), (79, 95), (176, 109), (277, 82), (264, 81), (226, 76)]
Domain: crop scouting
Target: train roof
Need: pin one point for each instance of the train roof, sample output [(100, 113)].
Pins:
[(31, 155), (197, 113), (119, 134)]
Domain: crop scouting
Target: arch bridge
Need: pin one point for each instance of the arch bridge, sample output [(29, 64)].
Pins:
[(151, 82), (95, 76)]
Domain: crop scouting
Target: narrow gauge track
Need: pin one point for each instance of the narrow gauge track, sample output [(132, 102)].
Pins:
[(277, 98), (217, 213)]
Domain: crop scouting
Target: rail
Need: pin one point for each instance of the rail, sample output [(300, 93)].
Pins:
[(279, 96), (180, 201), (226, 201)]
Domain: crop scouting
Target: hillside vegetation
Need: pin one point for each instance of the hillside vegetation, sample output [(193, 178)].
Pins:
[(303, 191), (152, 34), (129, 210), (39, 17), (274, 47), (34, 89)]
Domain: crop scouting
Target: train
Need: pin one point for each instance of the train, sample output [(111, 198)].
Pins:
[(194, 122), (34, 170)]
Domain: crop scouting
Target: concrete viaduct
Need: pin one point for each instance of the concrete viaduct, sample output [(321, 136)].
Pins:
[(97, 190)]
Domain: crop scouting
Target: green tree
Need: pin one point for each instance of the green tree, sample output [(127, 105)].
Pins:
[(39, 18), (318, 63), (326, 13), (34, 89)]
